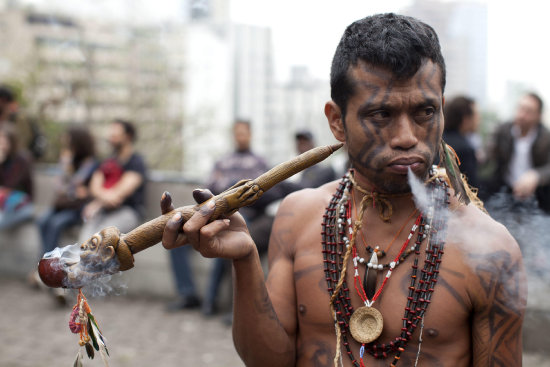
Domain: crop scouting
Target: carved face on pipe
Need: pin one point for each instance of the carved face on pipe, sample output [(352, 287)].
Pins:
[(99, 249)]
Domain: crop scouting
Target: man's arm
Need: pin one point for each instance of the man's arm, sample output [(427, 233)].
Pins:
[(500, 299), (264, 323), (264, 328), (128, 183), (114, 196)]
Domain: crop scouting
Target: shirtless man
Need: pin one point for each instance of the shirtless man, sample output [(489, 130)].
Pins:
[(387, 82)]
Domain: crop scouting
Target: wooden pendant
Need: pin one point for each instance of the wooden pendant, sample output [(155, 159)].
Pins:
[(371, 276), (366, 324)]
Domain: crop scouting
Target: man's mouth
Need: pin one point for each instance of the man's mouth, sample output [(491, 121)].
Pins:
[(401, 166)]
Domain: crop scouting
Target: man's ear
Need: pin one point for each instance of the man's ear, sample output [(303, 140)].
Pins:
[(335, 120)]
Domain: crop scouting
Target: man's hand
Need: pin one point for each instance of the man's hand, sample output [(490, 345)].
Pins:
[(91, 209), (227, 238), (526, 185)]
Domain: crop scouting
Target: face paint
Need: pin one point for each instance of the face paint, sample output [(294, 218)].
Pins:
[(393, 125)]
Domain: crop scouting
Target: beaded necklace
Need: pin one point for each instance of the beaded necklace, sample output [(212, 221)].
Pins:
[(336, 252)]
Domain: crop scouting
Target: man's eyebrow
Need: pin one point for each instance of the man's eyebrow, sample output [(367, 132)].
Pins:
[(427, 102), (370, 106)]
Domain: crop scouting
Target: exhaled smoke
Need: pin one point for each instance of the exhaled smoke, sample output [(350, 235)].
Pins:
[(529, 226), (420, 192), (95, 276), (477, 235)]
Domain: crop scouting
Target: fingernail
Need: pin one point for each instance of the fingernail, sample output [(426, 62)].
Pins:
[(177, 216), (226, 221)]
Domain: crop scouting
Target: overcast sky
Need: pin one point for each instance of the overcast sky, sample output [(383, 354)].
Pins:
[(306, 32)]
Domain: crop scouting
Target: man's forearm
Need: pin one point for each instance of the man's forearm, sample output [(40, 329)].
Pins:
[(259, 337)]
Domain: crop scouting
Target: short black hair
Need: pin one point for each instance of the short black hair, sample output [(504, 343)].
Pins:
[(304, 135), (456, 110), (6, 93), (129, 128), (398, 43)]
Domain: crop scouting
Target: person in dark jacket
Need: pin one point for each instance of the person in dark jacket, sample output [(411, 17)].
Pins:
[(521, 154), (461, 120)]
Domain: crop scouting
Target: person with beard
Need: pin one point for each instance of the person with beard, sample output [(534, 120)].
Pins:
[(117, 186), (361, 271), (520, 151)]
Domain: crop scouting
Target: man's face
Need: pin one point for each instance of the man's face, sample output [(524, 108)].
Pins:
[(117, 137), (303, 145), (392, 125), (241, 134), (528, 114)]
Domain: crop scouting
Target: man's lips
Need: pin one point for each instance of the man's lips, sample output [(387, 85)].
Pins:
[(402, 165)]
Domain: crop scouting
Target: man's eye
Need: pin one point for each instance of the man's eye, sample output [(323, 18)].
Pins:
[(378, 115), (426, 112)]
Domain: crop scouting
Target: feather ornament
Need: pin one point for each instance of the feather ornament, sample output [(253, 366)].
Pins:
[(450, 161)]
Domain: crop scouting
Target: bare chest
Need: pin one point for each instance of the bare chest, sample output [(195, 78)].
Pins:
[(444, 324)]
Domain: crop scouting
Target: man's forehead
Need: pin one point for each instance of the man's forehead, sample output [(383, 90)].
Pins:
[(428, 75)]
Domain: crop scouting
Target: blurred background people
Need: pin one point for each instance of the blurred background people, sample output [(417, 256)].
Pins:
[(317, 174), (242, 163), (117, 187), (15, 180), (28, 133), (77, 163), (462, 121), (520, 152)]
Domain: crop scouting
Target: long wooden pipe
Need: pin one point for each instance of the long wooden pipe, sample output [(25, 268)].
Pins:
[(109, 244)]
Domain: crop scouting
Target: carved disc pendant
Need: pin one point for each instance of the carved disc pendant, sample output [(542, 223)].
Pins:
[(366, 324)]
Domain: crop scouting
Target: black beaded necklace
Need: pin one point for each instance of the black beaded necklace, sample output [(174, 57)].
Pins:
[(335, 242)]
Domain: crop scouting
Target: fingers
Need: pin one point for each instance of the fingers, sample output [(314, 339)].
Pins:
[(166, 205), (172, 236), (201, 195), (193, 226), (209, 245)]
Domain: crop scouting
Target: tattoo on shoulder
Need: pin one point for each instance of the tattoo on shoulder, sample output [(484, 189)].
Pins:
[(500, 277)]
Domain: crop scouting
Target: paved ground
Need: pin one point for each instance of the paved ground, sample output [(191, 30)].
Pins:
[(34, 333)]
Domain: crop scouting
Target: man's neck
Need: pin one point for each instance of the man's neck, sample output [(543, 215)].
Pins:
[(125, 153), (526, 130), (397, 205)]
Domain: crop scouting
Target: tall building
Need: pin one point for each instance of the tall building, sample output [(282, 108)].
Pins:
[(462, 30), (299, 105), (76, 70), (252, 54), (207, 77), (228, 75)]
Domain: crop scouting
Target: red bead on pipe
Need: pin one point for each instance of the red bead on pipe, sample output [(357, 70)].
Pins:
[(51, 272)]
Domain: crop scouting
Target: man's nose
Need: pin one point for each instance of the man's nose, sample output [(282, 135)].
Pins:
[(403, 134)]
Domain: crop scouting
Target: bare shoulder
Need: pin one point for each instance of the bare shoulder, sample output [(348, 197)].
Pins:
[(308, 200), (475, 231), (491, 257), (298, 216)]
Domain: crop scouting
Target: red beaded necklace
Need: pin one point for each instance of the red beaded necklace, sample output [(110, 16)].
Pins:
[(392, 265), (336, 251)]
